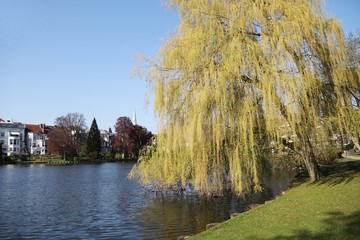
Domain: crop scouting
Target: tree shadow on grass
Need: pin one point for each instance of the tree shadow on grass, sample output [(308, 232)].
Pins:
[(341, 172), (336, 226)]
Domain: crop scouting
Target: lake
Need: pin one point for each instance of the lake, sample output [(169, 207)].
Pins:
[(99, 202)]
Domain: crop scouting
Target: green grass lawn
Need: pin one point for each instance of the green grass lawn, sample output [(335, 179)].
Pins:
[(328, 209)]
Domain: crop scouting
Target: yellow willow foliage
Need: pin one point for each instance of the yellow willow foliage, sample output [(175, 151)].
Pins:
[(234, 73)]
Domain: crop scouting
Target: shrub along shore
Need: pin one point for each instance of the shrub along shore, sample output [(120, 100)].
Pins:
[(327, 209), (59, 160)]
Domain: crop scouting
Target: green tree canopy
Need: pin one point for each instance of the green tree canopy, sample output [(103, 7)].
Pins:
[(93, 143), (236, 76)]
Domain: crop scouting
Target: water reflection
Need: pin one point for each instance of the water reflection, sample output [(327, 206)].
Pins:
[(99, 202), (188, 214)]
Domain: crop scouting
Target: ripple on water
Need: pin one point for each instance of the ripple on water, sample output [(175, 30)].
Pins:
[(99, 202)]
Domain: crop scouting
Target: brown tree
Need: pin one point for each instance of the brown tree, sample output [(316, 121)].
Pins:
[(122, 141), (353, 48), (142, 137), (68, 135), (353, 53), (129, 138)]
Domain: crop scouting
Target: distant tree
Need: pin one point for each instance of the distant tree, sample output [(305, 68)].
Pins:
[(353, 53), (68, 135), (129, 138), (353, 48), (142, 137), (93, 143), (59, 142), (123, 141)]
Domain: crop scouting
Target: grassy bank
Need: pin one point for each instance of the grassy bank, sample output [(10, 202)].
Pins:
[(328, 209)]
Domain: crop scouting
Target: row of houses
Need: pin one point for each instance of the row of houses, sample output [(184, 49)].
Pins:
[(18, 138)]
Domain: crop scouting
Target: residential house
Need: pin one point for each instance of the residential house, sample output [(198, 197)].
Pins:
[(37, 138), (12, 137)]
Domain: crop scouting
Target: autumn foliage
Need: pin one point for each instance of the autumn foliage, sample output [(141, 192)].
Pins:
[(68, 136), (129, 138)]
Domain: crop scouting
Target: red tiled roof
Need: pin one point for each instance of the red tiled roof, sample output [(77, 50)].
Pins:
[(33, 128)]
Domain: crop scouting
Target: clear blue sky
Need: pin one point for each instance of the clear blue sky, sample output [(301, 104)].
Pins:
[(58, 57)]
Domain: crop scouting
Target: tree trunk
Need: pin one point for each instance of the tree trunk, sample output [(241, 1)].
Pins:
[(356, 142), (312, 168), (310, 160)]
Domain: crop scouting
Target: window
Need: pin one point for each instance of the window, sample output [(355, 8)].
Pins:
[(11, 142), (2, 134), (2, 141), (11, 149)]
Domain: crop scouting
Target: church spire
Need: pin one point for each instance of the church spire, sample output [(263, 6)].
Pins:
[(134, 121)]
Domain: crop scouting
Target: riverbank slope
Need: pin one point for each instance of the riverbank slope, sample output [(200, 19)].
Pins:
[(328, 209)]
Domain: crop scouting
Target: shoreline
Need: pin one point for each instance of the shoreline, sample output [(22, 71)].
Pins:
[(306, 203)]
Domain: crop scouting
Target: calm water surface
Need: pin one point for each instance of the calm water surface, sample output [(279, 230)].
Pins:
[(99, 202)]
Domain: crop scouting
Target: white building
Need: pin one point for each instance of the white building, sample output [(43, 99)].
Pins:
[(12, 137), (36, 139), (106, 141)]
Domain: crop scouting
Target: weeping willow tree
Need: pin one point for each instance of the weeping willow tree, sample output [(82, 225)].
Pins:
[(353, 52), (232, 79)]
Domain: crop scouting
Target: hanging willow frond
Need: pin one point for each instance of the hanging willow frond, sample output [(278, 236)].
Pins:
[(237, 72)]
